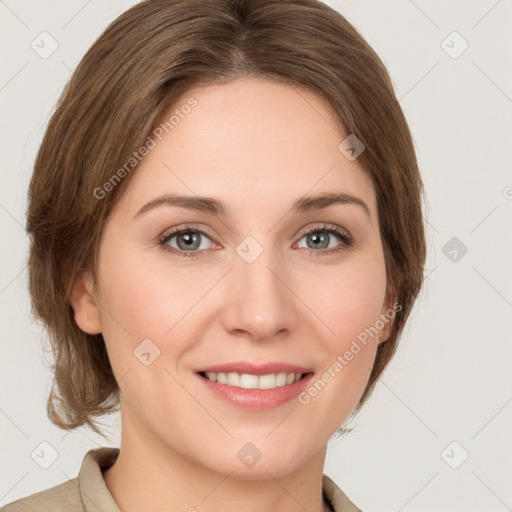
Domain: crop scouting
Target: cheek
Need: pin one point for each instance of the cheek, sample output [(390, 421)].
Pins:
[(350, 301), (350, 305), (142, 300)]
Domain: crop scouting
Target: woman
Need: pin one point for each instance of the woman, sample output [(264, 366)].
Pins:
[(226, 243)]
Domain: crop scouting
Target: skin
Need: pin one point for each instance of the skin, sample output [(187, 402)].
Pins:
[(257, 146)]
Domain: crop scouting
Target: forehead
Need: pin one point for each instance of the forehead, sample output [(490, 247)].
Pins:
[(252, 142)]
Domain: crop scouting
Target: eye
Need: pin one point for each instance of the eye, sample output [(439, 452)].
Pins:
[(188, 241), (189, 244), (320, 237)]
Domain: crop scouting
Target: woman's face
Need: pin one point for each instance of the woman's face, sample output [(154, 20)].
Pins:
[(253, 286)]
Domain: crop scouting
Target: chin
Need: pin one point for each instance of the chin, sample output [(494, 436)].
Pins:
[(254, 460)]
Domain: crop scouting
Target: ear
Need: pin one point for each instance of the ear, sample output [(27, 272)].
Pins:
[(87, 313), (388, 313)]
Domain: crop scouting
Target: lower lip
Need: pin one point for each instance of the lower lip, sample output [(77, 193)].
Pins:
[(259, 399)]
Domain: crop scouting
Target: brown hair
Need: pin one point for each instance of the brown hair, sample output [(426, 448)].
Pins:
[(144, 60)]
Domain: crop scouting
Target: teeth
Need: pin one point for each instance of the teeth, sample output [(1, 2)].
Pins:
[(249, 381), (267, 381)]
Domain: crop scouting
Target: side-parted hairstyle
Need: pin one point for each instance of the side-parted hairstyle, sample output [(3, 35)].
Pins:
[(149, 56)]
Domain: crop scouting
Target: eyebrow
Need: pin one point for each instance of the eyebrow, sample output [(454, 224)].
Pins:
[(217, 207)]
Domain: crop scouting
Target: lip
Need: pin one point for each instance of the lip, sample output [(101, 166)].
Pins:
[(255, 369), (256, 399)]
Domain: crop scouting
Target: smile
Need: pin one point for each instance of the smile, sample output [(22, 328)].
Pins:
[(256, 392)]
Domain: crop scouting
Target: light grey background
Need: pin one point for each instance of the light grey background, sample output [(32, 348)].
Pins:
[(451, 378)]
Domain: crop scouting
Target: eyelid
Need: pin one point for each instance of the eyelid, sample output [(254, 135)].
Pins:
[(325, 226), (185, 227)]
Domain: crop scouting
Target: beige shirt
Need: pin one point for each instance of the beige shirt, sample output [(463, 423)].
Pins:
[(88, 492)]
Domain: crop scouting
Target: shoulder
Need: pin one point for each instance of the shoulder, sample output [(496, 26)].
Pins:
[(87, 491), (60, 498), (338, 500)]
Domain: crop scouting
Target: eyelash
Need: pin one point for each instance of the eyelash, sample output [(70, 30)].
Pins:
[(346, 240)]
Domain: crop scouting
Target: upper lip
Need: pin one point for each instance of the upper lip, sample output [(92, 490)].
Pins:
[(254, 369)]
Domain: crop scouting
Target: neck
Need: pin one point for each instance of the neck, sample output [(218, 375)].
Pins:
[(151, 476)]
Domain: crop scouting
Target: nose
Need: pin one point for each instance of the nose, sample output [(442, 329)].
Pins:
[(259, 298)]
